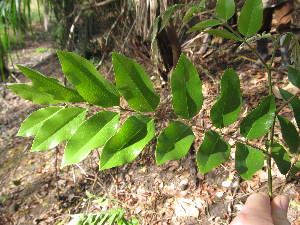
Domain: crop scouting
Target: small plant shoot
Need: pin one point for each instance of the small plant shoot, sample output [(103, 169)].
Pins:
[(121, 144)]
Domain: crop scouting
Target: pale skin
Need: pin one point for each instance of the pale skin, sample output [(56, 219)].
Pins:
[(259, 210)]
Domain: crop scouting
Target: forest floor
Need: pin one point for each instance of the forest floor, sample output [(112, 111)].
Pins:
[(34, 190)]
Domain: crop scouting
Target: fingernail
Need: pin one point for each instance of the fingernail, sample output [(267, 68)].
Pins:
[(284, 202)]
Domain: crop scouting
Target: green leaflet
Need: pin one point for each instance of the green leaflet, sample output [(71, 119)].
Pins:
[(44, 90), (92, 134), (87, 81), (289, 134), (295, 103), (136, 132), (32, 123), (223, 34), (174, 142), (204, 24), (225, 9), (134, 84), (281, 158), (186, 89), (227, 109), (251, 17), (248, 160), (212, 152), (258, 122), (294, 76), (192, 10), (58, 128)]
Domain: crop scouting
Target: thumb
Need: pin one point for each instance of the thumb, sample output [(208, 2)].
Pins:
[(279, 207)]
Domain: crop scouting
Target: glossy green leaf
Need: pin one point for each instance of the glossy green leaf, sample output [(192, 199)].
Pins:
[(294, 76), (212, 152), (251, 17), (174, 142), (192, 10), (32, 123), (134, 84), (258, 122), (225, 9), (227, 109), (281, 158), (136, 132), (186, 89), (204, 24), (87, 80), (92, 134), (223, 34), (44, 90), (295, 104), (248, 160), (58, 128), (289, 134)]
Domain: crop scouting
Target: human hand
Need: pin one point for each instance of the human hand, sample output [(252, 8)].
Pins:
[(258, 210)]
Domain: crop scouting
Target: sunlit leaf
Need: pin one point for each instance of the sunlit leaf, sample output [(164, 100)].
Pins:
[(174, 142), (204, 24), (248, 160), (289, 134), (32, 123), (227, 109), (212, 152), (58, 128), (251, 17), (134, 84), (44, 90), (225, 9), (258, 122), (92, 134), (87, 80), (136, 132), (186, 89), (281, 158)]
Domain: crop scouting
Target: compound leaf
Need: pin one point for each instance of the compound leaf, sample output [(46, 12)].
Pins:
[(92, 134), (44, 90), (223, 34), (174, 142), (212, 152), (87, 80), (281, 158), (32, 123), (204, 24), (295, 104), (294, 76), (186, 89), (258, 122), (225, 9), (289, 134), (134, 84), (248, 160), (251, 17), (136, 132), (58, 128), (227, 109)]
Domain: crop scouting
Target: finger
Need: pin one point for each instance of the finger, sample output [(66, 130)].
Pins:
[(257, 211), (279, 208)]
